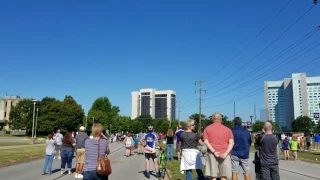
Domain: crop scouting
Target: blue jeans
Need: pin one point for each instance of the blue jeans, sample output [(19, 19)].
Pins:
[(48, 164), (189, 174), (169, 152), (66, 158), (93, 175)]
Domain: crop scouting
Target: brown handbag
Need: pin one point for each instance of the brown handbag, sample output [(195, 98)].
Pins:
[(103, 164)]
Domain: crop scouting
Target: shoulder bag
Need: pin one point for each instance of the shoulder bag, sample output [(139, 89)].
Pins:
[(103, 164)]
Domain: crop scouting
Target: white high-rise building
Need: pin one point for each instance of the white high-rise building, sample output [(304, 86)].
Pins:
[(291, 98), (159, 104)]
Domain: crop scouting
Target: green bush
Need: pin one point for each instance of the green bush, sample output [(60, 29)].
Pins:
[(4, 130)]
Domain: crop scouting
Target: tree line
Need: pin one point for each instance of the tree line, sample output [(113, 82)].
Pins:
[(67, 115)]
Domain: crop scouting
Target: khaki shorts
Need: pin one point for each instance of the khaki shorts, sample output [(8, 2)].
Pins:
[(81, 155), (216, 165)]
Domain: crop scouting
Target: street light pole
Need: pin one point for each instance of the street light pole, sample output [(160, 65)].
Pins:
[(34, 112), (35, 131), (251, 119), (86, 121)]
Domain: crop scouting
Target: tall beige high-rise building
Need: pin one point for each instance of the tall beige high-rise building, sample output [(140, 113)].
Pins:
[(6, 104), (291, 98), (158, 104)]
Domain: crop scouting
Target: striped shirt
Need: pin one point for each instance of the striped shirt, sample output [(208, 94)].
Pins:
[(91, 146)]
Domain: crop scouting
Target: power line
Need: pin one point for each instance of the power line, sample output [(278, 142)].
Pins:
[(245, 47), (273, 59), (272, 69), (259, 90), (284, 32)]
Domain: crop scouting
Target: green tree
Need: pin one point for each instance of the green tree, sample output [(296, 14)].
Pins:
[(257, 126), (275, 127), (21, 115), (317, 129), (145, 119), (136, 126), (66, 115), (303, 124), (226, 122), (103, 112)]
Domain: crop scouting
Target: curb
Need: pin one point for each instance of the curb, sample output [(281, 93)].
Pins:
[(168, 174)]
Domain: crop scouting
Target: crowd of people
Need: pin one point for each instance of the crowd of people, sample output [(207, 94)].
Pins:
[(227, 150), (86, 148)]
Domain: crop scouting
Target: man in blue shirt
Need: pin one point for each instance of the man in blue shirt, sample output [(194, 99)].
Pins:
[(151, 142), (317, 142), (241, 149)]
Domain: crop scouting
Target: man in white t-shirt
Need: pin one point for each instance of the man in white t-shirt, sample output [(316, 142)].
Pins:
[(58, 137)]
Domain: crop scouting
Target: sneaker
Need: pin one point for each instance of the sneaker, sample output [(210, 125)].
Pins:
[(59, 157), (76, 175), (80, 176), (147, 174), (182, 172)]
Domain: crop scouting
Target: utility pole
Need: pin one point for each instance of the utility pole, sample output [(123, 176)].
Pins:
[(179, 112), (200, 104), (234, 109), (255, 115)]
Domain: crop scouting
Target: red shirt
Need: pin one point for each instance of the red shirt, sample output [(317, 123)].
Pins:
[(218, 136)]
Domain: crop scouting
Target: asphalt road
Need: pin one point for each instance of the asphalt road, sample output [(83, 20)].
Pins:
[(133, 167), (122, 168), (289, 170)]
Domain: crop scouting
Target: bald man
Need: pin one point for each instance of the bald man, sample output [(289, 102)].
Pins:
[(269, 154), (219, 141)]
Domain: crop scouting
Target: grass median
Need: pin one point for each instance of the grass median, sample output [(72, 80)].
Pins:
[(2, 144), (17, 155), (307, 156)]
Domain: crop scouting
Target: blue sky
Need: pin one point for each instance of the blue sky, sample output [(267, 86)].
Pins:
[(109, 48)]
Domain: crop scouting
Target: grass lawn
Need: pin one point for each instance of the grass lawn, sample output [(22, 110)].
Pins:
[(174, 168), (307, 156), (17, 143), (313, 157), (11, 156)]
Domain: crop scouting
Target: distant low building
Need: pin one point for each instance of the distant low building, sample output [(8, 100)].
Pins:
[(247, 125), (6, 104)]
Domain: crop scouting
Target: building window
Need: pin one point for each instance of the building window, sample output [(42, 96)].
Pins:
[(5, 114), (299, 81)]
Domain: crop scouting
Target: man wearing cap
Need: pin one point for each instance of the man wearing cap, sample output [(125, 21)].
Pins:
[(81, 152)]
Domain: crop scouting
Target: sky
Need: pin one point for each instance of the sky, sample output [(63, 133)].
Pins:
[(89, 49)]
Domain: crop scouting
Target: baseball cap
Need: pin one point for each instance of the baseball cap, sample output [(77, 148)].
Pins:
[(82, 128)]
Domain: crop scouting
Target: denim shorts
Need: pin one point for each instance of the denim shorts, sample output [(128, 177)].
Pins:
[(93, 175)]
